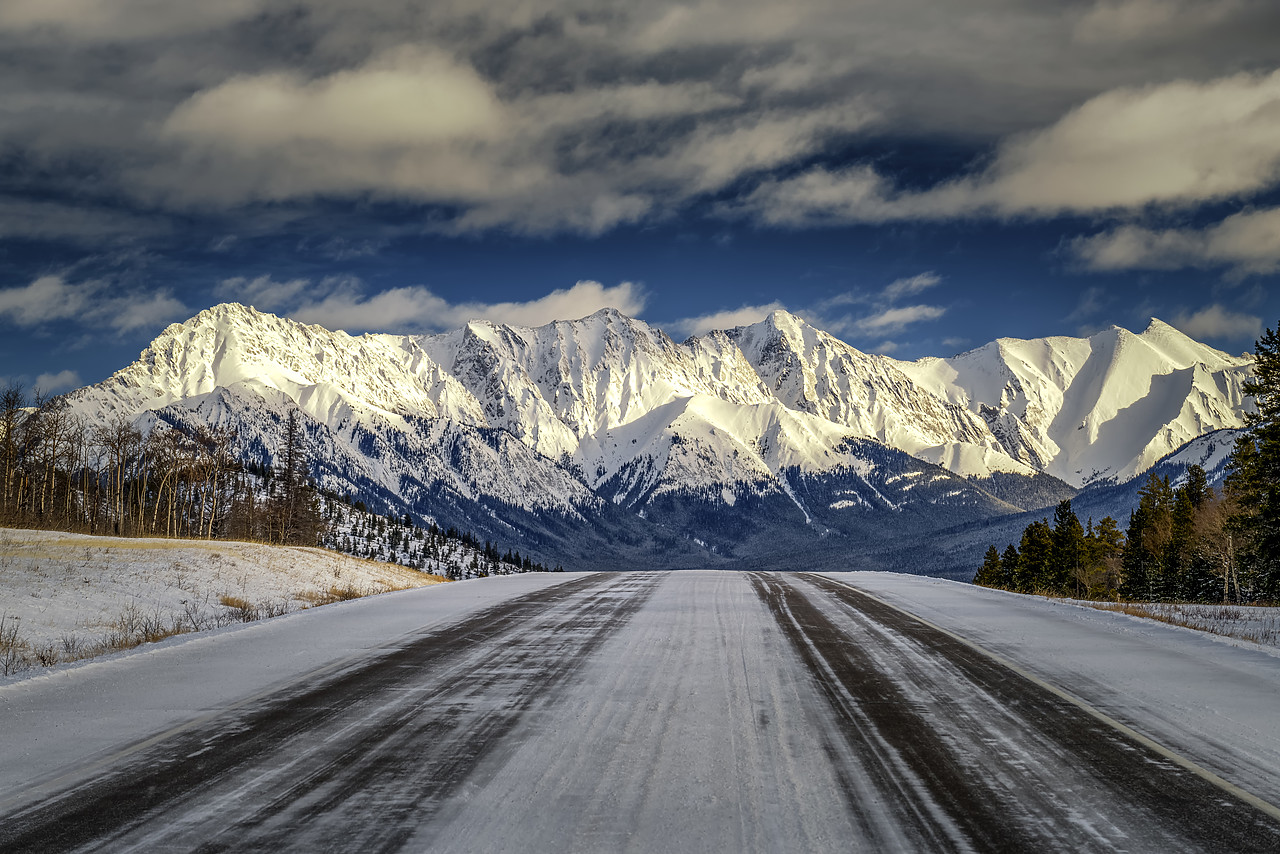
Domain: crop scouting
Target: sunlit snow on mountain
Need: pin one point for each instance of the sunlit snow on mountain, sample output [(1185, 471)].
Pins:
[(605, 439)]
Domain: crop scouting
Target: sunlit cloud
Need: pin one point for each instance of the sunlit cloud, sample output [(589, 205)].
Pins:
[(1214, 321), (1174, 144), (879, 315), (46, 299), (346, 303), (893, 320), (58, 382), (911, 285), (93, 303), (540, 119), (1247, 242), (727, 319)]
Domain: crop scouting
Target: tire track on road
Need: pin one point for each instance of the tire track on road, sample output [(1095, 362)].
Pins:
[(934, 801), (1012, 765), (355, 762)]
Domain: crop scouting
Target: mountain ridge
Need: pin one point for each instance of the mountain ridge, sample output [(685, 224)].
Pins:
[(543, 429)]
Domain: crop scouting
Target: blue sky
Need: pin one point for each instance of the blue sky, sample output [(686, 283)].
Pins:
[(916, 178)]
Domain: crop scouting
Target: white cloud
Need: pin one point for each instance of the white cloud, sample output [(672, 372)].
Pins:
[(396, 310), (344, 303), (420, 125), (1214, 321), (46, 299), (53, 383), (535, 117), (1181, 142), (262, 292), (854, 297), (405, 98), (51, 299), (726, 319), (893, 320), (881, 314), (564, 304), (911, 285), (876, 315), (410, 123), (821, 195), (140, 311), (646, 100), (887, 321), (44, 220), (1174, 144), (1248, 242)]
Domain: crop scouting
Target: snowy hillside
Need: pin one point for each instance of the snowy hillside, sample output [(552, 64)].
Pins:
[(1088, 409), (596, 425), (71, 596)]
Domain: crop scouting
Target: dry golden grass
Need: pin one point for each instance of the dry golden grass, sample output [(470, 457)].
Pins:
[(1258, 624), (335, 593), (220, 582)]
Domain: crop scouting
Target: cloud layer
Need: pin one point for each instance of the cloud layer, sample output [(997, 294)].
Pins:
[(1214, 321), (345, 303), (1248, 242), (92, 304), (546, 116), (1174, 145)]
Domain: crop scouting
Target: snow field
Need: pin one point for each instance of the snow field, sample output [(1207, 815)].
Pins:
[(70, 596), (1256, 624)]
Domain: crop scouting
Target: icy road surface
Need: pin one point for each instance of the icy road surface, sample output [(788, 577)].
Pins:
[(638, 712)]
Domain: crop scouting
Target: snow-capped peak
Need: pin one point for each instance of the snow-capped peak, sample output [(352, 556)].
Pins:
[(608, 394)]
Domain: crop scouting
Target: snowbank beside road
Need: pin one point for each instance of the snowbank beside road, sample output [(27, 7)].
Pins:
[(71, 595)]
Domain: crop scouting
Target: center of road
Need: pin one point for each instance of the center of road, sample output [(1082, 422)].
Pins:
[(697, 711)]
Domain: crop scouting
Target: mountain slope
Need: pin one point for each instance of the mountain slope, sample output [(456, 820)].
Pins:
[(1088, 409), (582, 436)]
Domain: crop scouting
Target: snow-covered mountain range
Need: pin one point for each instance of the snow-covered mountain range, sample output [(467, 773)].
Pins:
[(605, 424)]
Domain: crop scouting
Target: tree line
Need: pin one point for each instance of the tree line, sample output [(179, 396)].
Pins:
[(1191, 543), (352, 529), (59, 472)]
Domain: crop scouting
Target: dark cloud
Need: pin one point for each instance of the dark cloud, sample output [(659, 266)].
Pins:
[(546, 115)]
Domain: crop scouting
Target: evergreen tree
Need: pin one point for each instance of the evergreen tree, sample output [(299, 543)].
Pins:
[(1034, 553), (1181, 547), (1147, 540), (1067, 558), (293, 512), (1104, 546), (1254, 476), (1009, 561), (1197, 486), (989, 574)]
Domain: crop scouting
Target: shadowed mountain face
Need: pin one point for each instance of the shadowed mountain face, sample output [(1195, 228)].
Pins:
[(602, 441)]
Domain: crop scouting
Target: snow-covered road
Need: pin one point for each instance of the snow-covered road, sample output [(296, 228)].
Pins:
[(700, 711)]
